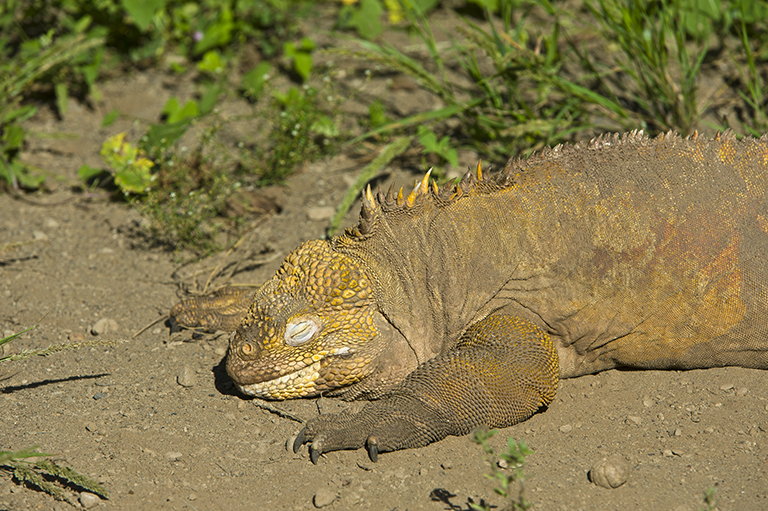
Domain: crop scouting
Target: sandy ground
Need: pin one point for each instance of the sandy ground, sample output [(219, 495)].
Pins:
[(158, 422)]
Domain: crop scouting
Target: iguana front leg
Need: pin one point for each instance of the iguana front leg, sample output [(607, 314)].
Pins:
[(500, 373)]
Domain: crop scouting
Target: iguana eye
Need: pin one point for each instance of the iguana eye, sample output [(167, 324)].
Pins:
[(300, 330)]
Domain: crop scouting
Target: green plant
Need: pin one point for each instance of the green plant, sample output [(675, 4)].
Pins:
[(300, 56), (441, 148), (302, 132), (710, 499), (186, 202), (514, 460), (508, 109), (126, 164), (44, 60), (654, 39), (47, 476)]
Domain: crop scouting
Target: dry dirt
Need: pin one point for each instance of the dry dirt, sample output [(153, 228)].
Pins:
[(120, 414)]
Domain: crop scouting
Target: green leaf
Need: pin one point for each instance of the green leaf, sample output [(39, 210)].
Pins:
[(62, 98), (176, 112), (211, 63), (217, 34), (209, 97), (377, 116), (87, 172), (325, 126), (253, 81), (302, 64), (160, 137), (110, 118), (142, 11), (128, 163), (20, 114), (13, 137), (289, 50), (428, 139), (306, 44), (366, 20)]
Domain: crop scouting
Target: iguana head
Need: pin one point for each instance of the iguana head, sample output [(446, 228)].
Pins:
[(311, 328)]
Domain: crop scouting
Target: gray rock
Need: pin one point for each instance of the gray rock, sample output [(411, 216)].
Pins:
[(610, 472), (324, 497), (89, 500), (186, 377), (104, 326)]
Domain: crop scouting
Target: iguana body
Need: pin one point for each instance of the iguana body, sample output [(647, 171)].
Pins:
[(461, 307)]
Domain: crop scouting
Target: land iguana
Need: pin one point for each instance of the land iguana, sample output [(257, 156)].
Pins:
[(460, 306)]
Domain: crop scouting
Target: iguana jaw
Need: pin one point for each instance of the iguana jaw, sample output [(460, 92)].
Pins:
[(301, 383)]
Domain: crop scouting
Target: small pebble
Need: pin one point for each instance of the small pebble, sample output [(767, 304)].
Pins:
[(186, 377), (610, 472), (192, 496), (96, 428), (634, 419), (324, 497), (103, 326), (502, 464), (39, 235), (667, 453), (89, 500), (447, 465), (566, 428), (726, 387), (320, 212), (173, 456)]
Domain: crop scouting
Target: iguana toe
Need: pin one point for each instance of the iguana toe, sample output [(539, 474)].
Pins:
[(373, 448), (315, 450), (299, 441)]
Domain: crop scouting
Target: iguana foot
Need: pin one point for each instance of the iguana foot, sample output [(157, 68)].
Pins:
[(400, 421), (221, 310)]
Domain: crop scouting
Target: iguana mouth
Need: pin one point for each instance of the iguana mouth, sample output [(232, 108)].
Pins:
[(299, 383)]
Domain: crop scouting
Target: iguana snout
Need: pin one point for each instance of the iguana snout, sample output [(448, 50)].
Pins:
[(311, 328)]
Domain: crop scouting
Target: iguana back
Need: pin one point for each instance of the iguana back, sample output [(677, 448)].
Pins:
[(629, 252)]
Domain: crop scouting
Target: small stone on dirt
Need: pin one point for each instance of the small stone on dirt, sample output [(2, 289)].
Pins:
[(186, 377), (89, 500), (173, 456), (324, 497), (104, 326), (567, 428), (634, 419), (320, 212), (96, 428), (610, 472)]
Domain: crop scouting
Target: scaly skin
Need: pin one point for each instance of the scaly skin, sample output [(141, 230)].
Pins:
[(460, 307)]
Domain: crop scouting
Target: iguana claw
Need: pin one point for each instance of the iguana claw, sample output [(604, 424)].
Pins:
[(299, 441), (315, 450), (373, 449)]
